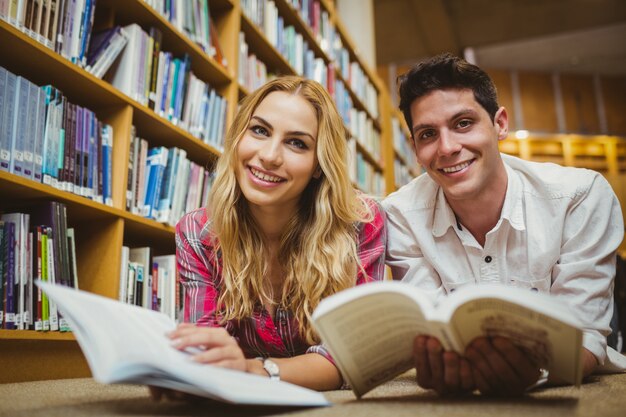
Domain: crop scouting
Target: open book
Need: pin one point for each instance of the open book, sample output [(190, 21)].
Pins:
[(127, 344), (369, 329)]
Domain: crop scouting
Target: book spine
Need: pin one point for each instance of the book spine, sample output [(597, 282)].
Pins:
[(98, 168), (107, 168), (53, 313), (9, 282), (7, 117), (71, 243), (28, 144), (38, 266), (2, 265), (139, 283), (19, 126), (45, 308), (38, 153), (28, 314)]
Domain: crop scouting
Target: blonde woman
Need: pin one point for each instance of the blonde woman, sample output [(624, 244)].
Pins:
[(284, 228)]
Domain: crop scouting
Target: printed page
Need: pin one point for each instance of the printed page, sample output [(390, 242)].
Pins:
[(125, 343), (369, 330), (529, 320)]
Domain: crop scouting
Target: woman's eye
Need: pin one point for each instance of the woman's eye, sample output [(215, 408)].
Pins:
[(297, 143), (259, 130)]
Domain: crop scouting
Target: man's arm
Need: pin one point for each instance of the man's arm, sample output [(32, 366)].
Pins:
[(584, 274)]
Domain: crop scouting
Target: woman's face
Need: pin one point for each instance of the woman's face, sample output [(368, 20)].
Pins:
[(277, 155)]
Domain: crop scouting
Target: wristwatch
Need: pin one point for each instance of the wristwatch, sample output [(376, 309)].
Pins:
[(272, 369)]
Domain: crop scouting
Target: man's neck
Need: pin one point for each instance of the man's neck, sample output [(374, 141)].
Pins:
[(480, 215)]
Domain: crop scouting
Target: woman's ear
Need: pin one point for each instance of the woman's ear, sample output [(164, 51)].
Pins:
[(318, 173)]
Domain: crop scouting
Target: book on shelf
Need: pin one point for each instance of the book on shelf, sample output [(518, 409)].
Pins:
[(369, 329), (104, 49), (127, 344), (62, 25)]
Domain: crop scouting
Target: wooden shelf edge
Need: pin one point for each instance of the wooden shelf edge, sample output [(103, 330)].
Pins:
[(35, 335)]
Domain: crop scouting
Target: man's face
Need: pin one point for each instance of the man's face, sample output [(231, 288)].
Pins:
[(456, 142)]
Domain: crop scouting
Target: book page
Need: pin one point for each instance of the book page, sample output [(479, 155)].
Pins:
[(128, 344), (551, 343), (371, 335)]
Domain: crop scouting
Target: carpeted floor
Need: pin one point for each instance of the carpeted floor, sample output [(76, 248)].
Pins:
[(600, 396)]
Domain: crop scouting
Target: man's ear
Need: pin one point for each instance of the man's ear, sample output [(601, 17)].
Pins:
[(501, 121), (317, 173)]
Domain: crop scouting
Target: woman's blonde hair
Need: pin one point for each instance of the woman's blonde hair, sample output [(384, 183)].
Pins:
[(318, 249)]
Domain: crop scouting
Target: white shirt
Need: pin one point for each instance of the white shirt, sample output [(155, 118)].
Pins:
[(558, 232)]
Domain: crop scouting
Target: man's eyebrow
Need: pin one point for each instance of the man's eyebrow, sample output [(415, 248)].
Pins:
[(460, 113), (291, 132)]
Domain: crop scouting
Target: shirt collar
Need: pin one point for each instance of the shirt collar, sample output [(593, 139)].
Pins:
[(512, 210), (444, 217)]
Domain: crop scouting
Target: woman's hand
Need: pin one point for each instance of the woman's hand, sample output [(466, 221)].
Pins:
[(209, 345)]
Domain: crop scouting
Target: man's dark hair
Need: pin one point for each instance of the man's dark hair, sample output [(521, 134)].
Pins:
[(442, 72)]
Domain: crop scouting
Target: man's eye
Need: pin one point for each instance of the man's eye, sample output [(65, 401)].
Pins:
[(464, 123), (427, 134)]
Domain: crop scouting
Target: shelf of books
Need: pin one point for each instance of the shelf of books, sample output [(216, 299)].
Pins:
[(112, 114), (405, 165)]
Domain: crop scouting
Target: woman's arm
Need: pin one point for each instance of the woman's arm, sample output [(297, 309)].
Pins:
[(215, 346)]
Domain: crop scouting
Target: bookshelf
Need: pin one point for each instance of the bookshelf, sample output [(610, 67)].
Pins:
[(102, 230)]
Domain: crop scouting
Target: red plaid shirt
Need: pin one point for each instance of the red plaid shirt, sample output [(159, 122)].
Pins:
[(200, 269)]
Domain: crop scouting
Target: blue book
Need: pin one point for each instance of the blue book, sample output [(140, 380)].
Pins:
[(183, 75), (107, 164), (157, 159), (167, 190), (171, 106), (161, 109)]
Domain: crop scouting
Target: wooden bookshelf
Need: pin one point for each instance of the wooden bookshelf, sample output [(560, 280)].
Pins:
[(102, 230)]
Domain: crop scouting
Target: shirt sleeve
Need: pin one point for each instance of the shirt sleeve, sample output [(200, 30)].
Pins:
[(584, 274), (405, 257), (198, 269)]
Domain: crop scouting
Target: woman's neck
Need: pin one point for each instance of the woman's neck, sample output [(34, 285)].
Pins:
[(271, 222)]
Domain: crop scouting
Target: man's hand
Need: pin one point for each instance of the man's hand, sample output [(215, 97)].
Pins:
[(499, 368), (445, 372)]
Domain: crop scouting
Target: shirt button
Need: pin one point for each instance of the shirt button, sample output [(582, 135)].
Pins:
[(488, 258)]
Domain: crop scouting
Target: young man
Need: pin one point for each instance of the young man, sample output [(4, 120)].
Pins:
[(477, 216)]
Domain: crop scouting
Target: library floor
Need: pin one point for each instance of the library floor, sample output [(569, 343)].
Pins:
[(603, 395)]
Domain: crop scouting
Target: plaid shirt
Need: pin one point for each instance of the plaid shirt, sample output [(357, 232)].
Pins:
[(200, 269)]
